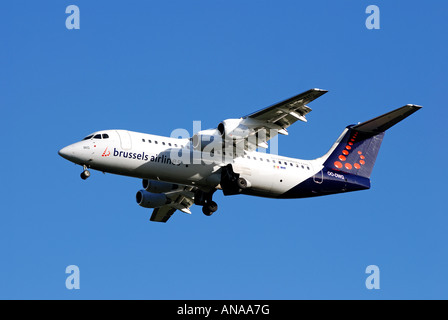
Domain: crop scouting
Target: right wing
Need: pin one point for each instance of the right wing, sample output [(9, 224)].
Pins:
[(287, 112), (279, 117)]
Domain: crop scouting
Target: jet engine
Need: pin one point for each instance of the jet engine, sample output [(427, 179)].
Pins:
[(206, 137), (234, 129), (158, 186), (147, 199)]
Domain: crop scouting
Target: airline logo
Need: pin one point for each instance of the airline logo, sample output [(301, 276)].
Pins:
[(131, 155), (144, 157), (106, 153), (347, 150)]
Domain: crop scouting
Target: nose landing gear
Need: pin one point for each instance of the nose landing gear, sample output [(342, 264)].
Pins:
[(85, 174)]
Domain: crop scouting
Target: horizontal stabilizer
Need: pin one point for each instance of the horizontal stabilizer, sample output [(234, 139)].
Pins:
[(384, 122)]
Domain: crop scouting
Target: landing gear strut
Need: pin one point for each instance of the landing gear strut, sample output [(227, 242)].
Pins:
[(86, 173), (204, 199)]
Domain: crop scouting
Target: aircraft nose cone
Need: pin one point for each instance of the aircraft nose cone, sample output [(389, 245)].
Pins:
[(65, 152)]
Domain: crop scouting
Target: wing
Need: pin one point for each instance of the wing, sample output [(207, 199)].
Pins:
[(256, 129), (181, 199), (267, 123), (162, 214), (287, 112)]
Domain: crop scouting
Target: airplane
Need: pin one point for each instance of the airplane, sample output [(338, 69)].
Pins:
[(179, 172)]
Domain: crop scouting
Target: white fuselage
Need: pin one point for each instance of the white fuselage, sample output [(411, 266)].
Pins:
[(147, 156)]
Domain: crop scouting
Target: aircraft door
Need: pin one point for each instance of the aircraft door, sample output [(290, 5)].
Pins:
[(319, 177), (125, 139)]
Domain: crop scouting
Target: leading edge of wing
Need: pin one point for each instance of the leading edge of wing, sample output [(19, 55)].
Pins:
[(302, 99)]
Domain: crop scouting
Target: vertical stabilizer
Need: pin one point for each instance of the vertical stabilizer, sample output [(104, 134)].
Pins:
[(356, 151)]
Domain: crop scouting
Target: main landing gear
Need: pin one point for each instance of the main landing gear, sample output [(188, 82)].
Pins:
[(86, 173), (204, 199), (209, 208), (231, 182)]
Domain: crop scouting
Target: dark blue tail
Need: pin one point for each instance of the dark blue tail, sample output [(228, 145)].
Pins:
[(349, 163), (356, 151)]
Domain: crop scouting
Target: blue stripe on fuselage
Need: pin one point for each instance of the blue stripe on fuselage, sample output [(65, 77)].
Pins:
[(325, 182)]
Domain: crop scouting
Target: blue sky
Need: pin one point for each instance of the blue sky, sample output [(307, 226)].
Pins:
[(154, 66)]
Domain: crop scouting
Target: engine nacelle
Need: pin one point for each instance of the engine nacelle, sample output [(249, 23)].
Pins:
[(206, 137), (158, 186), (147, 199), (233, 129)]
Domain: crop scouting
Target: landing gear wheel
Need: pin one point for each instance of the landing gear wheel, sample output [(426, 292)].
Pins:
[(209, 208), (85, 174), (206, 211), (212, 206), (242, 183)]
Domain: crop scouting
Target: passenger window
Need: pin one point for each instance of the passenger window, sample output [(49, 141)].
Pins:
[(268, 160), (163, 143), (261, 159), (280, 162), (143, 140), (169, 144), (156, 142), (98, 136), (105, 136), (175, 145), (149, 141), (290, 164)]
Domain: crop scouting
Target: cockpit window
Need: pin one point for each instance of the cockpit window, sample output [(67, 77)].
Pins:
[(105, 136), (97, 136), (88, 137)]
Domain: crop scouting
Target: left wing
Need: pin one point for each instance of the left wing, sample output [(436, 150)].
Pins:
[(182, 199), (162, 214)]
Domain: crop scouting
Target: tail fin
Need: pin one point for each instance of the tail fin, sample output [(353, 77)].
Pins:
[(356, 150)]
